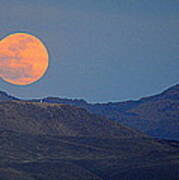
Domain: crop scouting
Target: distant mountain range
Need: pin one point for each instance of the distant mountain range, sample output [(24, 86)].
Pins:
[(157, 115), (50, 141)]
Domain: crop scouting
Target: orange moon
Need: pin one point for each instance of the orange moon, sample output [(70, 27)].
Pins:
[(23, 59)]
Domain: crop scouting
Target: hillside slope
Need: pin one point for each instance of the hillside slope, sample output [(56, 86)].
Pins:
[(56, 119), (157, 115), (42, 141)]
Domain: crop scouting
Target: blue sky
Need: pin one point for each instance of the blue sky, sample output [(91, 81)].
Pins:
[(100, 50)]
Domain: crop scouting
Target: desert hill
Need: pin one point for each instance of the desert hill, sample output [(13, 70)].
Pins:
[(157, 116), (45, 141), (58, 119)]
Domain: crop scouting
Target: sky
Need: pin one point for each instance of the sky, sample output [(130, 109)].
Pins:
[(99, 50)]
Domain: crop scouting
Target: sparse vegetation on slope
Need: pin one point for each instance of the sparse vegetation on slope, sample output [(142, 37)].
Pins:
[(157, 116), (42, 141), (56, 119)]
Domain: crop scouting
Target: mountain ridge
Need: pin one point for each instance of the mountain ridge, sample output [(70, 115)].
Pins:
[(155, 115), (57, 119), (52, 141)]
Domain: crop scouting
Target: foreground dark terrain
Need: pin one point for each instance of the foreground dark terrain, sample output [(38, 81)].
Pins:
[(42, 141)]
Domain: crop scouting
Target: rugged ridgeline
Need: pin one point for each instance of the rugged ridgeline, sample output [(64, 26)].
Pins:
[(157, 115), (43, 141)]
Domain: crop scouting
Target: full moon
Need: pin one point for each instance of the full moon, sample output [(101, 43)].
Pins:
[(23, 59)]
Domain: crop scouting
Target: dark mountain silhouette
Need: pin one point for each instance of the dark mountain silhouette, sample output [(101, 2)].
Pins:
[(156, 115), (43, 141)]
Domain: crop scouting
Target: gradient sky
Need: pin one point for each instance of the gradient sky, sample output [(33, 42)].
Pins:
[(100, 50)]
